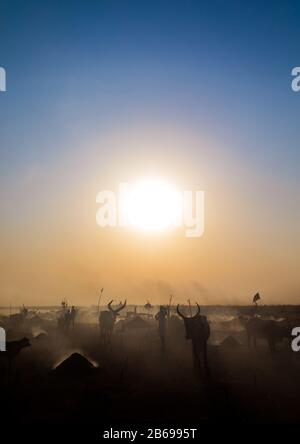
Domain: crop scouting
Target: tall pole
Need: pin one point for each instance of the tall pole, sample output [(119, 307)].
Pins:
[(99, 299)]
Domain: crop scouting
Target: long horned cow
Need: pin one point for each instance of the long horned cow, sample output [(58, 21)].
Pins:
[(107, 320), (198, 330)]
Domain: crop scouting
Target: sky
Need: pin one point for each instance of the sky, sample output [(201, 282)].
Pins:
[(102, 92)]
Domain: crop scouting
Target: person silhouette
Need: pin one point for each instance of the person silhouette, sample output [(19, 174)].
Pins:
[(161, 317), (73, 315)]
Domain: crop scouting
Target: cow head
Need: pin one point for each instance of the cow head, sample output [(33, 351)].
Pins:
[(190, 323), (115, 311)]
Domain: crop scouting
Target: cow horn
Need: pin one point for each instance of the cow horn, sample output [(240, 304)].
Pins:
[(180, 314), (198, 310), (117, 309), (121, 308), (184, 317), (109, 306)]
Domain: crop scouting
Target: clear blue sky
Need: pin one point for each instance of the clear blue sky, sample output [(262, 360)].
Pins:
[(219, 64)]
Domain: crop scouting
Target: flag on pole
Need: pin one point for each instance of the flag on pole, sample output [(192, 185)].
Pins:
[(256, 298)]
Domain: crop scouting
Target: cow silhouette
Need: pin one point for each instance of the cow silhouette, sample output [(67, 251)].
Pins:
[(198, 331), (107, 319)]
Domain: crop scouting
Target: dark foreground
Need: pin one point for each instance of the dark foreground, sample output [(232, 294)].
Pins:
[(136, 385)]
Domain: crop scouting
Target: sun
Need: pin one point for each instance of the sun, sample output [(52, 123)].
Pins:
[(153, 205)]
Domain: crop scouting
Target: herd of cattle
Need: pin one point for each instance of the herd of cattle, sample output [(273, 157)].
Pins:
[(197, 329)]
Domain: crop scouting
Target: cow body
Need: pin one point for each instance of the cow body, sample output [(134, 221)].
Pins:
[(107, 319), (270, 330), (107, 322), (13, 348), (16, 319), (198, 331)]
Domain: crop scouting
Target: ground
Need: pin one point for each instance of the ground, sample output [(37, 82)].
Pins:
[(136, 384)]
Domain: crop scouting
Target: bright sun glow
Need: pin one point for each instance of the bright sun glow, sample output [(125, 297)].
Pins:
[(153, 205)]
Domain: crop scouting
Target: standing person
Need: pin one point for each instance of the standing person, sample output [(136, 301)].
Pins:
[(161, 317), (73, 315)]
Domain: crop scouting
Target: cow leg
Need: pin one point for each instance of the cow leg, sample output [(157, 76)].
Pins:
[(108, 335), (205, 360), (254, 342), (200, 360), (249, 339), (271, 343), (103, 335), (196, 360), (197, 366)]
